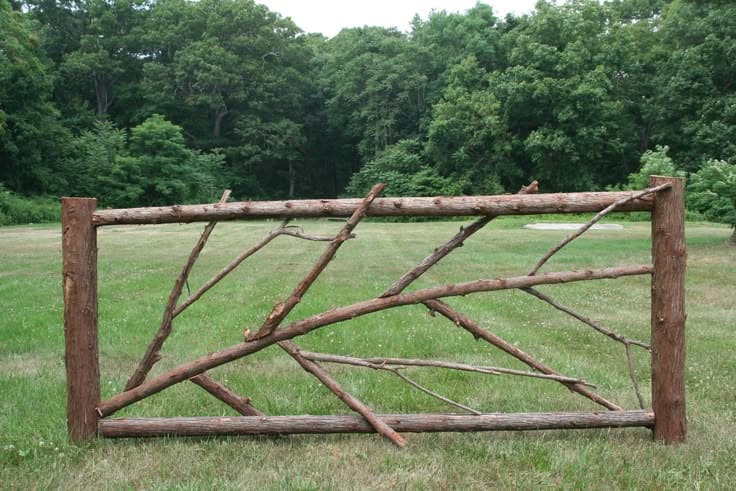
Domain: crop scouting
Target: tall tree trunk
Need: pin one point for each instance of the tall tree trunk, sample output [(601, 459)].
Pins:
[(219, 116), (102, 95), (732, 240), (292, 179)]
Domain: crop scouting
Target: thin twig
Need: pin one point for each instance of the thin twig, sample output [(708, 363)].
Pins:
[(594, 324), (151, 356), (229, 268), (282, 309), (280, 230), (592, 222), (430, 392), (632, 374), (407, 362), (301, 235)]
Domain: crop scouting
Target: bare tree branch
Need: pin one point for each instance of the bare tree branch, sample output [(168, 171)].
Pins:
[(282, 309), (594, 324), (592, 222), (377, 363), (152, 353)]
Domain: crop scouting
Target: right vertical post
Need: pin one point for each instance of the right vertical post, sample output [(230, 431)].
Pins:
[(668, 311)]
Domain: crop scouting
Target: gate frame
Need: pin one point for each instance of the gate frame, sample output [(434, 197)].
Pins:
[(80, 220)]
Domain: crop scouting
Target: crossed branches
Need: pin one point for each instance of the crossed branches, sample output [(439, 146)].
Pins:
[(269, 333)]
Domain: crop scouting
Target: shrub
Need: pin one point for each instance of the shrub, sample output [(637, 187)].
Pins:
[(15, 209)]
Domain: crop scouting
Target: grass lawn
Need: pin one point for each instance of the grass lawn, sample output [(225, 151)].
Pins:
[(137, 266)]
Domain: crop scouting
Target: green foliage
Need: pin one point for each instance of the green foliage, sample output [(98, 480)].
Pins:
[(653, 163), (466, 138), (152, 167), (168, 171), (403, 170), (712, 192), (571, 95), (101, 170), (32, 140), (15, 209)]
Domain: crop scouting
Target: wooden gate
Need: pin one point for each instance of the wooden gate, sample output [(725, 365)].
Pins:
[(88, 416)]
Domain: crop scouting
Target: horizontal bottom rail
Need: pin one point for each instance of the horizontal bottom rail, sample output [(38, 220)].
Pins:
[(414, 423)]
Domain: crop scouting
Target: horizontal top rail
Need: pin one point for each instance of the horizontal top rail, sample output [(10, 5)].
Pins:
[(516, 204)]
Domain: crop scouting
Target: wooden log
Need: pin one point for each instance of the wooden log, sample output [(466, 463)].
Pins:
[(351, 401), (301, 327), (408, 423), (479, 332), (282, 309), (520, 204), (668, 311), (79, 250), (221, 392)]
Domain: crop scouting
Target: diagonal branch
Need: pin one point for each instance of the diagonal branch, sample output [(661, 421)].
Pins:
[(280, 230), (479, 332), (356, 405), (378, 363), (592, 222), (446, 248), (221, 392), (594, 324), (282, 309), (632, 375), (152, 353), (229, 268)]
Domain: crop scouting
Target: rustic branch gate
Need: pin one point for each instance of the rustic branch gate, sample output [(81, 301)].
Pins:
[(87, 414)]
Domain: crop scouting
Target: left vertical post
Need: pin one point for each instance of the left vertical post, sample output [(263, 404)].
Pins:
[(79, 249)]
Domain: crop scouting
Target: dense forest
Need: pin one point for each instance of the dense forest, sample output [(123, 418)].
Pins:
[(143, 102)]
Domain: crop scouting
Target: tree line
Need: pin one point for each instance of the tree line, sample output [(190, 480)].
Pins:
[(144, 102)]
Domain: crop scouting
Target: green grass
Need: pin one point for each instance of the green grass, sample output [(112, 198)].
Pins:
[(137, 266)]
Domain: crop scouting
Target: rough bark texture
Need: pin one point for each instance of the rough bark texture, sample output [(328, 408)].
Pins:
[(221, 392), (148, 427), (479, 332), (668, 311), (580, 231), (282, 309), (152, 352), (520, 204), (446, 248), (353, 403), (298, 328), (79, 246)]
